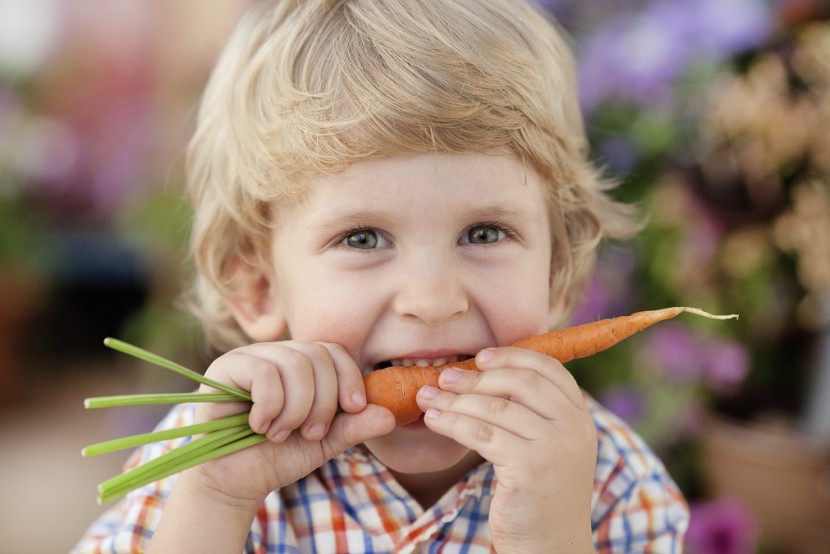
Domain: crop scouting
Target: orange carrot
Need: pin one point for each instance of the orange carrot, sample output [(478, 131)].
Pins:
[(395, 387)]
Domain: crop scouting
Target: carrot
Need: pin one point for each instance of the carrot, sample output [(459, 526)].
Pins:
[(395, 387)]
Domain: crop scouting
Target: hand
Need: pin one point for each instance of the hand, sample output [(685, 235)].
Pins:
[(524, 413), (296, 388)]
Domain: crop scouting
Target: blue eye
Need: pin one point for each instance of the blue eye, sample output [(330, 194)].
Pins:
[(484, 234), (364, 239)]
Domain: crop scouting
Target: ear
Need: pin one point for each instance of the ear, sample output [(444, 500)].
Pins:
[(253, 304)]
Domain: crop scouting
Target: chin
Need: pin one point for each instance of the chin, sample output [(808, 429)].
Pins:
[(415, 449)]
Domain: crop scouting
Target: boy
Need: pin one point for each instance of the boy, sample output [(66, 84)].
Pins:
[(398, 182)]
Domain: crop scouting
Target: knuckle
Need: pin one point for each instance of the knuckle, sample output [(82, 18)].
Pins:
[(217, 366), (497, 405), (484, 432), (318, 352), (333, 348), (294, 357), (528, 379), (261, 370), (552, 365), (292, 418), (559, 371)]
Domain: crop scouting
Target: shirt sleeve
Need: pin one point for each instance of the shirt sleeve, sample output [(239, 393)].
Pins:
[(637, 507), (128, 526)]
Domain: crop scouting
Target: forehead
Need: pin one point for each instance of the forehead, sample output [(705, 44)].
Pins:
[(422, 191), (433, 176)]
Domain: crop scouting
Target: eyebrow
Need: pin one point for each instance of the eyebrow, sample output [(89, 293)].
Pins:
[(501, 212), (337, 218)]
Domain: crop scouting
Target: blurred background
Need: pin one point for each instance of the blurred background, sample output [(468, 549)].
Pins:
[(715, 115)]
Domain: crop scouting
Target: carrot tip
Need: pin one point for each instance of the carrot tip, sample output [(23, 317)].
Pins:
[(700, 312)]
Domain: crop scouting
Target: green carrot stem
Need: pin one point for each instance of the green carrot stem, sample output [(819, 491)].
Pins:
[(165, 398), (171, 457), (155, 359), (166, 434), (167, 463), (228, 445)]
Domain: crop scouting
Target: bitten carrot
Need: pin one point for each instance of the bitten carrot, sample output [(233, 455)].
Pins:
[(395, 387)]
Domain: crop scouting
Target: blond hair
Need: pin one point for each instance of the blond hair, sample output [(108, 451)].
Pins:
[(307, 88)]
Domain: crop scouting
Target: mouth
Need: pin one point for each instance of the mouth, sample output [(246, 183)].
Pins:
[(421, 362)]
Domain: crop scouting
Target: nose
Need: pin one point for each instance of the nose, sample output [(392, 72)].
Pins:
[(432, 292)]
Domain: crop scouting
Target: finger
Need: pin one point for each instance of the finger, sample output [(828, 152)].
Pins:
[(489, 440), (523, 386), (296, 374), (549, 368), (256, 375), (348, 430), (497, 411), (308, 378), (350, 388), (324, 403)]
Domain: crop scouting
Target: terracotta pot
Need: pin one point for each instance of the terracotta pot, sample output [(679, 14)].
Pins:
[(782, 478)]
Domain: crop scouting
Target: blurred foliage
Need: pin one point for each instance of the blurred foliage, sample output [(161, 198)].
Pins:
[(96, 103), (726, 149)]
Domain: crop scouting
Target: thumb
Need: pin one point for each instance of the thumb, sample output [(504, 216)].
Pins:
[(348, 430)]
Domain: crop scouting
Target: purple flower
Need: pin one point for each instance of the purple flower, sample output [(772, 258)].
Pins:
[(632, 59), (678, 354), (626, 402), (675, 352), (721, 526), (727, 364), (732, 25), (638, 56)]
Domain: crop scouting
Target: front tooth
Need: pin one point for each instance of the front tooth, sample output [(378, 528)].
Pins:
[(423, 362)]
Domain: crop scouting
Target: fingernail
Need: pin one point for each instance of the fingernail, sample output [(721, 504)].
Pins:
[(358, 398), (432, 413), (450, 375), (316, 431), (281, 435), (428, 392), (486, 355)]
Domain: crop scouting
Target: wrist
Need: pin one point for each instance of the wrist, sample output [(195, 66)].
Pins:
[(198, 487), (200, 518), (583, 543)]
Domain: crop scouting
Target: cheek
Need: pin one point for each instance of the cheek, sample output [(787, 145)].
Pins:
[(328, 310), (521, 324), (521, 312)]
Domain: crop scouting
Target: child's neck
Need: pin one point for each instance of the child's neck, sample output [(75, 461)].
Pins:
[(428, 488)]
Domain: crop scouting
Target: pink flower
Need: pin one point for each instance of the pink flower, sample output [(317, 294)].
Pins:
[(721, 526)]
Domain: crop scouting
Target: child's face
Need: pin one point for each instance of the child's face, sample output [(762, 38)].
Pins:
[(421, 259)]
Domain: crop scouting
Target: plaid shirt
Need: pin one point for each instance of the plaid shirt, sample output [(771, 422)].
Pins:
[(353, 504)]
